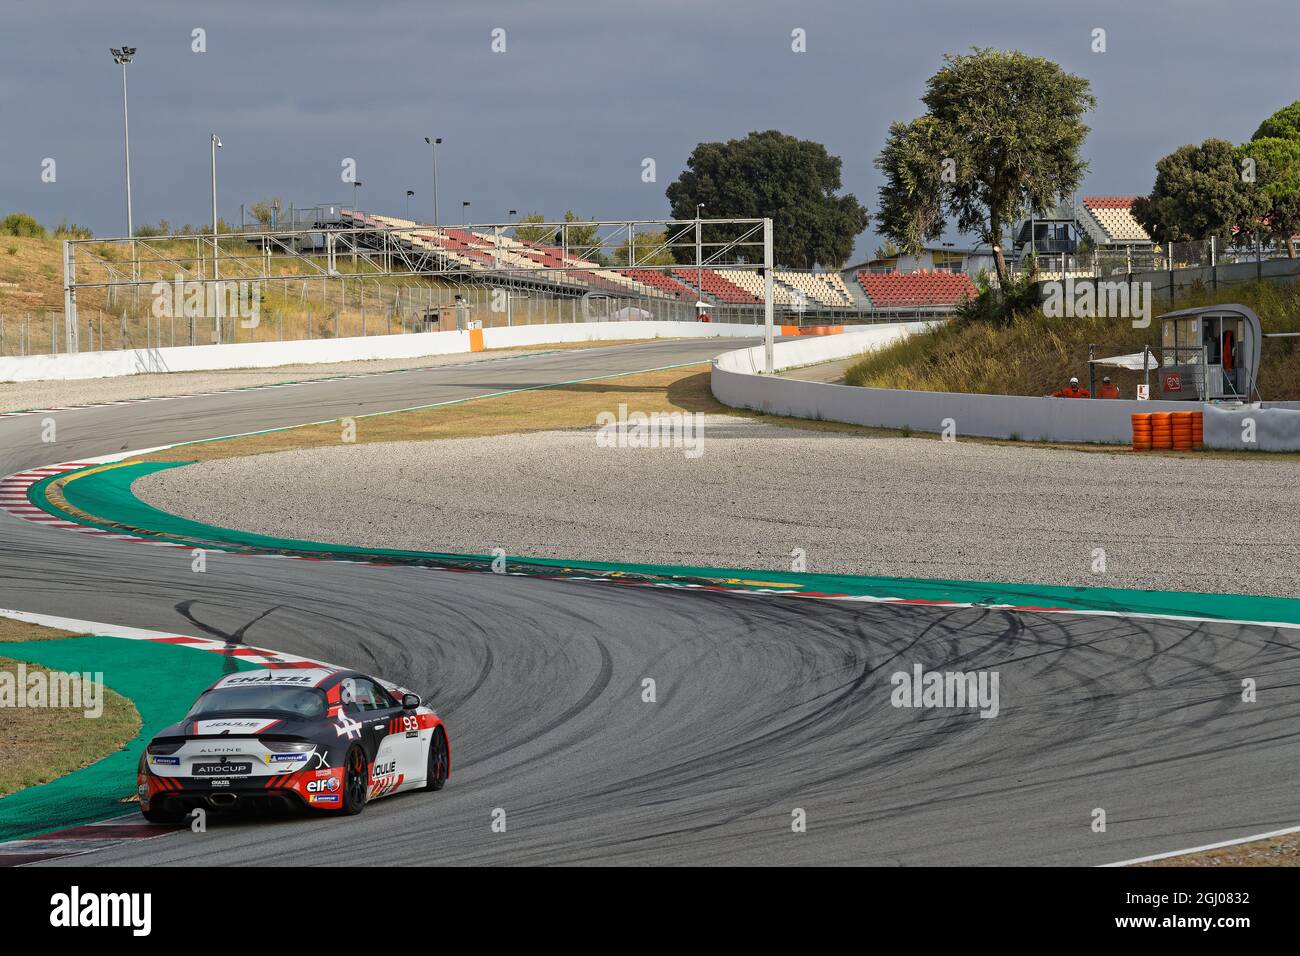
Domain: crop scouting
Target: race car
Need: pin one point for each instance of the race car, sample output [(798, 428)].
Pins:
[(323, 739)]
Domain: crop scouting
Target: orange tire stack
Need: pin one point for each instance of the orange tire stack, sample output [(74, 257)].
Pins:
[(1142, 431), (1181, 431), (1162, 430), (1198, 429)]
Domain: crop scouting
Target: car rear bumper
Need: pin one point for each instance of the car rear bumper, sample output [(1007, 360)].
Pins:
[(263, 792)]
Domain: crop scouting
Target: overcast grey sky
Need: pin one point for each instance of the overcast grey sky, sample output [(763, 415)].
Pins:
[(584, 92)]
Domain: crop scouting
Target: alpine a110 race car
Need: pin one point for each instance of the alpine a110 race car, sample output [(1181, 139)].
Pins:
[(310, 737)]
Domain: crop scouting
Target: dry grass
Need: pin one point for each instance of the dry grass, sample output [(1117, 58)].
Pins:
[(1278, 851), (11, 630), (295, 304), (38, 744), (1035, 355), (546, 409)]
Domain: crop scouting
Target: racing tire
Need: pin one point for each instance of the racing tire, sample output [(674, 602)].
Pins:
[(162, 816), (436, 775), (356, 782)]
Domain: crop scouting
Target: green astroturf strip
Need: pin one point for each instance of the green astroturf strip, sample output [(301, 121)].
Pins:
[(107, 498), (162, 680)]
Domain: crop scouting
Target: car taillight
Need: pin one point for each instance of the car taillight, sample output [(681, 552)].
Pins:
[(165, 747), (288, 746)]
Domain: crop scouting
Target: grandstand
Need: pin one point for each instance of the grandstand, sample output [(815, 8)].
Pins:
[(903, 290), (334, 271), (475, 251), (1109, 221)]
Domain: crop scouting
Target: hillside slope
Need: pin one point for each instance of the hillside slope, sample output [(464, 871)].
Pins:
[(1035, 355)]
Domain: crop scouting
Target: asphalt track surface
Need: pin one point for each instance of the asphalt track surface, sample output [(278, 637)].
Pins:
[(764, 704)]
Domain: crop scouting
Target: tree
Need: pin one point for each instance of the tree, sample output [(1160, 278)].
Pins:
[(582, 238), (649, 251), (529, 233), (1199, 192), (1000, 138), (266, 211), (1275, 152), (1284, 124), (794, 182), (21, 224)]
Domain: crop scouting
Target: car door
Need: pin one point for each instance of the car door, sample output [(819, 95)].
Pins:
[(377, 711)]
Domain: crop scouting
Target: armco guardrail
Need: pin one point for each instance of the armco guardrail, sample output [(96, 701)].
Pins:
[(736, 382), (196, 358)]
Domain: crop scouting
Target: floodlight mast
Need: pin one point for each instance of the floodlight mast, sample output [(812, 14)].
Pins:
[(122, 56), (768, 309), (433, 142), (216, 269)]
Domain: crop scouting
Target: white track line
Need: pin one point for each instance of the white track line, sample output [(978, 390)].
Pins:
[(1208, 846)]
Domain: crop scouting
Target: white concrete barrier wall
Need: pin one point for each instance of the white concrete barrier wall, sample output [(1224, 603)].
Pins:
[(820, 348), (613, 331), (736, 383), (1252, 429), (195, 358)]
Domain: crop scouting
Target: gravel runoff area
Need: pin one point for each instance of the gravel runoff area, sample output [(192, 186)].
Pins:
[(16, 396), (870, 505)]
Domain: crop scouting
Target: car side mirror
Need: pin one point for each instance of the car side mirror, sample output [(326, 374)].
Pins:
[(410, 701)]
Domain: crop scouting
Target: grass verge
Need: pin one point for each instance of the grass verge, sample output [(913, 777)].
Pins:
[(1034, 355), (40, 744), (553, 408), (576, 406), (1277, 851)]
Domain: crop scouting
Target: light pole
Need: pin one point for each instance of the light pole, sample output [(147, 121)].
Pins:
[(699, 261), (434, 143), (216, 269), (409, 194), (352, 239), (123, 56), (464, 211)]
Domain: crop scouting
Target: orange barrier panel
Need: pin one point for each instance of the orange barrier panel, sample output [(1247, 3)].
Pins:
[(476, 340), (812, 330)]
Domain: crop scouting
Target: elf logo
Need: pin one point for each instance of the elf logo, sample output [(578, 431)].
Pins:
[(320, 786)]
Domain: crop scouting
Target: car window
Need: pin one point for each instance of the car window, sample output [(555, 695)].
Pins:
[(305, 702), (369, 696)]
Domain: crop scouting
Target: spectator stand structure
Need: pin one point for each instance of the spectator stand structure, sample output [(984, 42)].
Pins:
[(332, 260)]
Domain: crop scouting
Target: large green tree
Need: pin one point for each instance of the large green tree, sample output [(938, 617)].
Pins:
[(1000, 138), (1284, 124), (1199, 192), (794, 181), (1277, 175), (1274, 152)]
